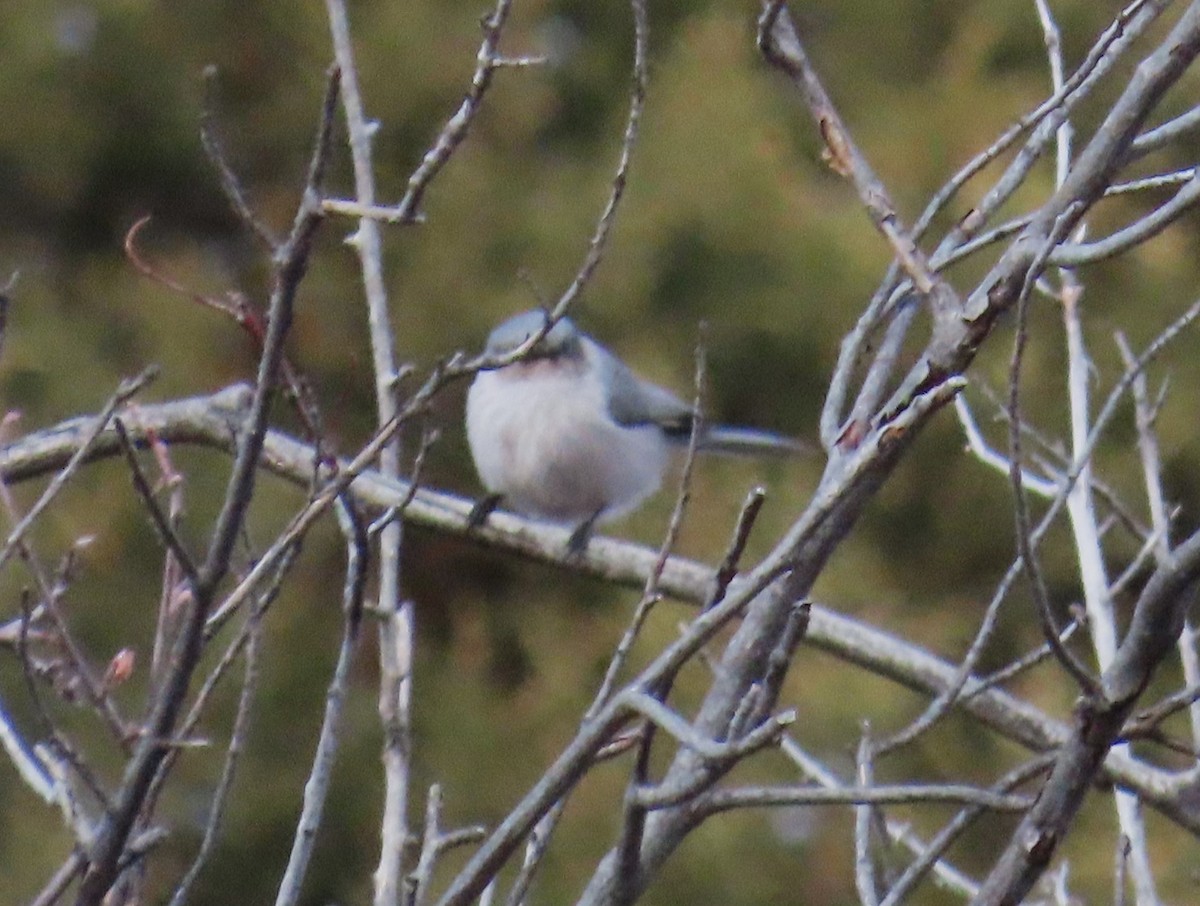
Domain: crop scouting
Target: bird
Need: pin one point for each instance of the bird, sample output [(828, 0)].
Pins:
[(568, 433)]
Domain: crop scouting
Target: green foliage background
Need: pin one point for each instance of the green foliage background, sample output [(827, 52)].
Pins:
[(731, 218)]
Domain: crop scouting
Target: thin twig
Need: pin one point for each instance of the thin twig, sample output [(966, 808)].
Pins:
[(634, 817), (1080, 502), (942, 841), (899, 831), (535, 850), (1146, 183), (713, 750), (395, 630), (1104, 54), (650, 594), (1121, 871), (728, 569), (986, 454), (230, 184), (187, 726), (417, 883), (780, 45), (1145, 413), (864, 860), (1050, 629), (1101, 56), (162, 523), (22, 757), (126, 391), (637, 100), (317, 786), (487, 60), (52, 593), (172, 588), (1142, 230), (60, 880), (444, 146), (105, 856), (1159, 136), (903, 311), (1023, 663), (220, 796)]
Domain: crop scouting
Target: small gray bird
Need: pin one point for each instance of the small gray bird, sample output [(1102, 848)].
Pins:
[(570, 434)]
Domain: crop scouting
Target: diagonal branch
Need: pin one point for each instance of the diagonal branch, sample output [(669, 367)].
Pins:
[(291, 262)]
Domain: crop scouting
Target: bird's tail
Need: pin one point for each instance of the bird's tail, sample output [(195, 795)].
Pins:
[(750, 442)]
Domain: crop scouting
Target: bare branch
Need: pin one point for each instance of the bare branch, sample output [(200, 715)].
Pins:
[(780, 45), (206, 420), (1045, 121), (451, 136), (128, 389), (317, 787), (162, 524), (727, 571), (105, 856), (237, 742), (231, 185), (433, 843), (29, 769), (395, 630), (954, 828), (865, 881), (1050, 628), (650, 594), (1076, 254), (1176, 178), (637, 100), (899, 831), (455, 130), (1168, 132), (892, 794), (985, 453)]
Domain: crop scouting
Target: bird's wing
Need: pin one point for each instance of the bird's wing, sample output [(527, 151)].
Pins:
[(633, 402)]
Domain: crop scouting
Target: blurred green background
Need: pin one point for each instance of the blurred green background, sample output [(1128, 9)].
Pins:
[(731, 218)]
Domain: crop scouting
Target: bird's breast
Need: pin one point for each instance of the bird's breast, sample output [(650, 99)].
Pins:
[(542, 436)]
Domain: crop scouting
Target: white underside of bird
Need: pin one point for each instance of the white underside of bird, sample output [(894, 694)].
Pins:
[(542, 437)]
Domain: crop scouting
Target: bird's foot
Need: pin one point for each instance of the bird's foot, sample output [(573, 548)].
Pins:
[(482, 509), (578, 542)]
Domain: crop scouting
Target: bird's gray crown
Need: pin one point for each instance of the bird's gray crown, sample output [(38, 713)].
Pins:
[(562, 338)]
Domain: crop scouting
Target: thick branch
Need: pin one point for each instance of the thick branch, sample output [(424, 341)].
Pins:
[(211, 421)]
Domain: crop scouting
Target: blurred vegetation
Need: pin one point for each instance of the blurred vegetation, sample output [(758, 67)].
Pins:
[(731, 218)]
